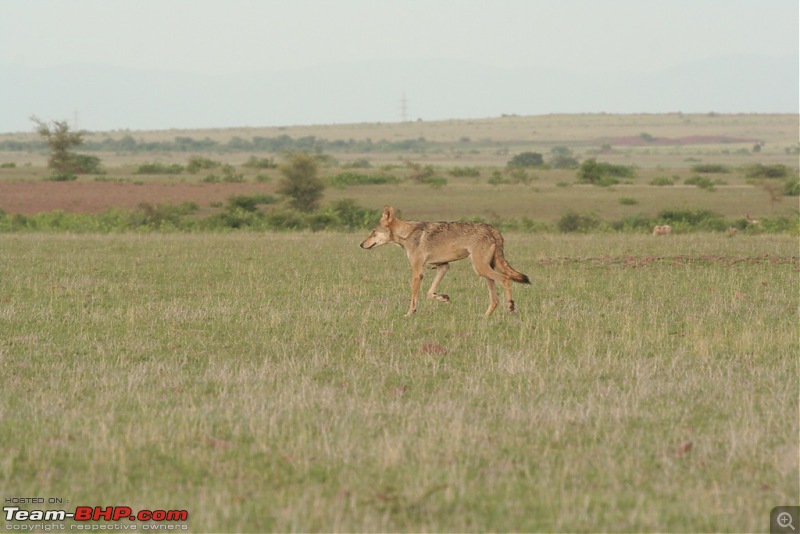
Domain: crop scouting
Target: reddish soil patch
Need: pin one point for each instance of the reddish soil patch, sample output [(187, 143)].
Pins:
[(29, 198), (638, 140)]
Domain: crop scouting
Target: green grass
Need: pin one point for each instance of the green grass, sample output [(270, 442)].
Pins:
[(270, 382)]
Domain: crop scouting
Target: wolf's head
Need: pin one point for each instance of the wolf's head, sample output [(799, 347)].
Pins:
[(382, 233)]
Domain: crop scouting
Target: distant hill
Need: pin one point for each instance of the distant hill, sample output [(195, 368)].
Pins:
[(108, 98)]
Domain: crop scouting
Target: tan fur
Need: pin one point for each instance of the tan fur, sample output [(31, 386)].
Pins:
[(436, 244), (662, 230)]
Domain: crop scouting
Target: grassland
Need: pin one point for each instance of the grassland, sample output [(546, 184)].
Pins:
[(269, 382), (660, 147)]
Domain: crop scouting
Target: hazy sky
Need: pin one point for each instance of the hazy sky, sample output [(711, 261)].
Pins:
[(215, 36), (234, 36)]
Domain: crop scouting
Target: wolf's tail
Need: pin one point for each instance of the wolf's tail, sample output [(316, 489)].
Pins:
[(499, 261), (512, 273)]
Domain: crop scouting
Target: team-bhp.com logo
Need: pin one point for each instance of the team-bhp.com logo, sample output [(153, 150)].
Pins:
[(96, 514)]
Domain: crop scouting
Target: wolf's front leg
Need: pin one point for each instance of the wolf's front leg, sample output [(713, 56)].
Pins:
[(441, 270), (416, 282)]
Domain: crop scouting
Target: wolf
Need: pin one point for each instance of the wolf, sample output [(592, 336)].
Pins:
[(436, 244)]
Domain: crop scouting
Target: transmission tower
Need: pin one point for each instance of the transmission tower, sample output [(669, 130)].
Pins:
[(403, 108)]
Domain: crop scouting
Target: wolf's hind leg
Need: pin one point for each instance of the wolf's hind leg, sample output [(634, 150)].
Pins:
[(509, 300), (492, 297), (441, 270), (483, 268)]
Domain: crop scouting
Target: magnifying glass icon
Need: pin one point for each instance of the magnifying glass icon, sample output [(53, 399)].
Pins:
[(785, 520)]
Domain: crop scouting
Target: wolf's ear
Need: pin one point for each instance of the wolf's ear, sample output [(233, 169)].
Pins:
[(388, 215)]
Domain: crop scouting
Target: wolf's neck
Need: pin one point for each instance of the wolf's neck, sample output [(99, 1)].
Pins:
[(404, 229)]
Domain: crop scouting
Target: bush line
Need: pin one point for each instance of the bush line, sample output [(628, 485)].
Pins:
[(245, 213)]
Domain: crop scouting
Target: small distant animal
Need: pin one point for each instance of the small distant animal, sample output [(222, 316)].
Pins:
[(663, 229), (436, 244)]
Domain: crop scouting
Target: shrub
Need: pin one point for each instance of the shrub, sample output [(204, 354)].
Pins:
[(687, 219), (85, 164), (497, 178), (260, 163), (241, 213), (300, 181), (526, 159), (419, 173), (285, 220), (345, 179), (159, 168), (473, 172), (360, 163), (704, 183), (599, 173), (561, 157), (62, 177), (758, 171), (662, 181), (250, 202), (781, 224), (759, 174), (197, 163), (233, 217), (633, 223), (352, 216), (627, 201), (434, 181), (516, 175), (572, 222), (230, 176), (531, 226), (710, 168), (319, 221), (425, 175), (791, 187), (160, 215), (519, 175)]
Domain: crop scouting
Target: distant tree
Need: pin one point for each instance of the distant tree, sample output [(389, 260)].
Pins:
[(600, 173), (61, 142), (561, 157), (300, 181), (526, 159)]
